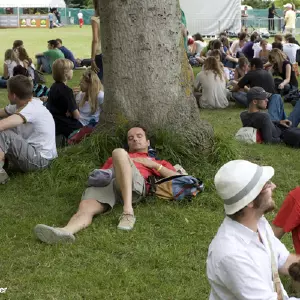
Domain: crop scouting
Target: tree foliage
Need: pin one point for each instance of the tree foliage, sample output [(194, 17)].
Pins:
[(280, 3), (257, 4), (80, 3)]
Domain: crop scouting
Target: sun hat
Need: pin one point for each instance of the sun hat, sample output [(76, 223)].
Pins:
[(288, 5), (239, 182), (257, 93)]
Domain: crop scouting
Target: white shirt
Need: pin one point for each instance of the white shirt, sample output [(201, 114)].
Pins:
[(80, 15), (290, 19), (85, 111), (39, 127), (291, 50), (199, 46), (10, 66), (239, 265), (256, 47)]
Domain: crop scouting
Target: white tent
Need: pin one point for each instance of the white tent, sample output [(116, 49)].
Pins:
[(212, 17), (32, 3)]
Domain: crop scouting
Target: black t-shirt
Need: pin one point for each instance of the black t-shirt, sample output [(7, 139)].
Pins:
[(293, 79), (269, 130), (271, 13), (259, 77), (61, 101)]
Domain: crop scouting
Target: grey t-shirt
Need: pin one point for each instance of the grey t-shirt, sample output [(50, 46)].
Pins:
[(262, 122)]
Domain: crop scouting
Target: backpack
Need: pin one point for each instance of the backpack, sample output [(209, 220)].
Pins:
[(298, 56), (248, 135), (39, 77), (175, 187)]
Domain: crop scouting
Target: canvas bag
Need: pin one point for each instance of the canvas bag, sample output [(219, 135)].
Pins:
[(175, 187), (248, 135)]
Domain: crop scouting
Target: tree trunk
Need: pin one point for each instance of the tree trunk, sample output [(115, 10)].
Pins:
[(146, 72)]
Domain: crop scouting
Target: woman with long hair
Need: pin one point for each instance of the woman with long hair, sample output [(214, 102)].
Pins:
[(26, 61), (213, 83), (283, 68), (264, 52), (10, 61), (90, 98), (96, 55)]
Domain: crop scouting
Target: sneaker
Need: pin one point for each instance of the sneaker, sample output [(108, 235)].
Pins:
[(3, 176), (126, 222), (53, 235)]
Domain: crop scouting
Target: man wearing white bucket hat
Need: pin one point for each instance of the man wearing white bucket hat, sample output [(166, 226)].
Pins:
[(290, 19), (244, 257)]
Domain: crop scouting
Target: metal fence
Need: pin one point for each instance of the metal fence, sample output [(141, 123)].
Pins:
[(211, 27)]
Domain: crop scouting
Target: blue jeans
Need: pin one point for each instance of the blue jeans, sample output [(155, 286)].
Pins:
[(240, 98), (45, 63), (295, 115), (3, 83), (276, 108)]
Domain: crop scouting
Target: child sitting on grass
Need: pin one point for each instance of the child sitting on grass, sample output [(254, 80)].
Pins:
[(90, 98), (61, 102)]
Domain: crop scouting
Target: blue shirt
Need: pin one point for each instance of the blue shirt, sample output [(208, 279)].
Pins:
[(68, 54), (50, 16)]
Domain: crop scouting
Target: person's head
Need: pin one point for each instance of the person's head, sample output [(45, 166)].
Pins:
[(217, 44), (23, 55), (288, 6), (273, 6), (242, 36), (212, 64), (216, 54), (225, 42), (278, 38), (264, 44), (19, 70), (210, 44), (257, 98), (254, 36), (256, 63), (287, 36), (198, 37), (291, 40), (62, 70), (59, 43), (18, 44), (243, 63), (277, 46), (246, 189), (277, 57), (245, 7), (19, 88), (52, 44), (137, 140), (90, 85), (10, 55)]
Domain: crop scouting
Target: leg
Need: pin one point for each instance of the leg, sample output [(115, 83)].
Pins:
[(240, 98), (45, 64), (295, 115), (276, 108)]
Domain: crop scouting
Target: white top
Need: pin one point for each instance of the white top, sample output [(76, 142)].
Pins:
[(38, 129), (235, 47), (239, 265), (214, 93), (10, 66), (290, 19), (80, 15), (256, 47), (85, 110), (291, 50), (199, 46)]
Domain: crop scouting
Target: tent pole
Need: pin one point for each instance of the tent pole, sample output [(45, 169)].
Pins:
[(18, 13)]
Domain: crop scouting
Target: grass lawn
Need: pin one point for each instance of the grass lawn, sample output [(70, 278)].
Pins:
[(162, 258)]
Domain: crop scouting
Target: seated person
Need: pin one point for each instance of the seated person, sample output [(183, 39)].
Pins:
[(290, 50), (218, 55), (67, 53), (213, 83), (217, 45), (26, 61), (277, 46), (61, 101), (237, 45), (27, 130), (288, 218), (90, 98), (46, 59), (17, 44), (271, 131), (129, 185), (264, 52), (241, 69), (248, 50), (199, 44), (10, 61)]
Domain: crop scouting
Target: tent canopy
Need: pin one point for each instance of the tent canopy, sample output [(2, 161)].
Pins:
[(32, 3)]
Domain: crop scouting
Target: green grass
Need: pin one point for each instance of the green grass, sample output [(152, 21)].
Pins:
[(163, 257)]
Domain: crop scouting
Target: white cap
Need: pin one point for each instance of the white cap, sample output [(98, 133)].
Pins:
[(239, 182), (288, 5)]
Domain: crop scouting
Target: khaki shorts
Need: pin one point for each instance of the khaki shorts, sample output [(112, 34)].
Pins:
[(111, 194)]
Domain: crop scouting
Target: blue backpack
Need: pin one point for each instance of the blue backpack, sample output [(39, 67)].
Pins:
[(176, 187)]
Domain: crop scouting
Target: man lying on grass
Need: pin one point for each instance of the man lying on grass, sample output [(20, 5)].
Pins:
[(127, 185), (27, 130)]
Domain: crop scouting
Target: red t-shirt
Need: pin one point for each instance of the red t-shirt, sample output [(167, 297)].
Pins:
[(145, 172), (288, 217)]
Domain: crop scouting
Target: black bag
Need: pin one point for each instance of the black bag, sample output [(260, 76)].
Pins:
[(292, 95), (39, 77), (291, 137), (298, 57)]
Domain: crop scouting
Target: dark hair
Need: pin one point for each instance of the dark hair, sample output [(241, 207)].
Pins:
[(224, 40), (216, 53), (23, 55), (253, 36), (278, 37), (53, 43), (198, 37), (210, 44), (217, 44), (242, 36), (19, 70), (257, 62), (243, 61), (288, 35), (21, 86), (59, 40), (292, 40), (277, 45), (17, 43)]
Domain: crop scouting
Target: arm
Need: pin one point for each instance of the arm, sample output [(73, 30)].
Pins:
[(241, 84), (292, 258), (287, 79), (95, 41), (236, 75), (230, 58), (76, 114), (11, 122), (3, 113), (266, 131)]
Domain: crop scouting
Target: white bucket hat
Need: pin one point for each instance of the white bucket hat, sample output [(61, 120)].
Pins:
[(288, 5), (239, 182)]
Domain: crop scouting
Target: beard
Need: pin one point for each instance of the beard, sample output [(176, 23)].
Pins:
[(263, 203)]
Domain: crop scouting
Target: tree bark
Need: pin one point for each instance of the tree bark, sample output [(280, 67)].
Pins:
[(146, 71)]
